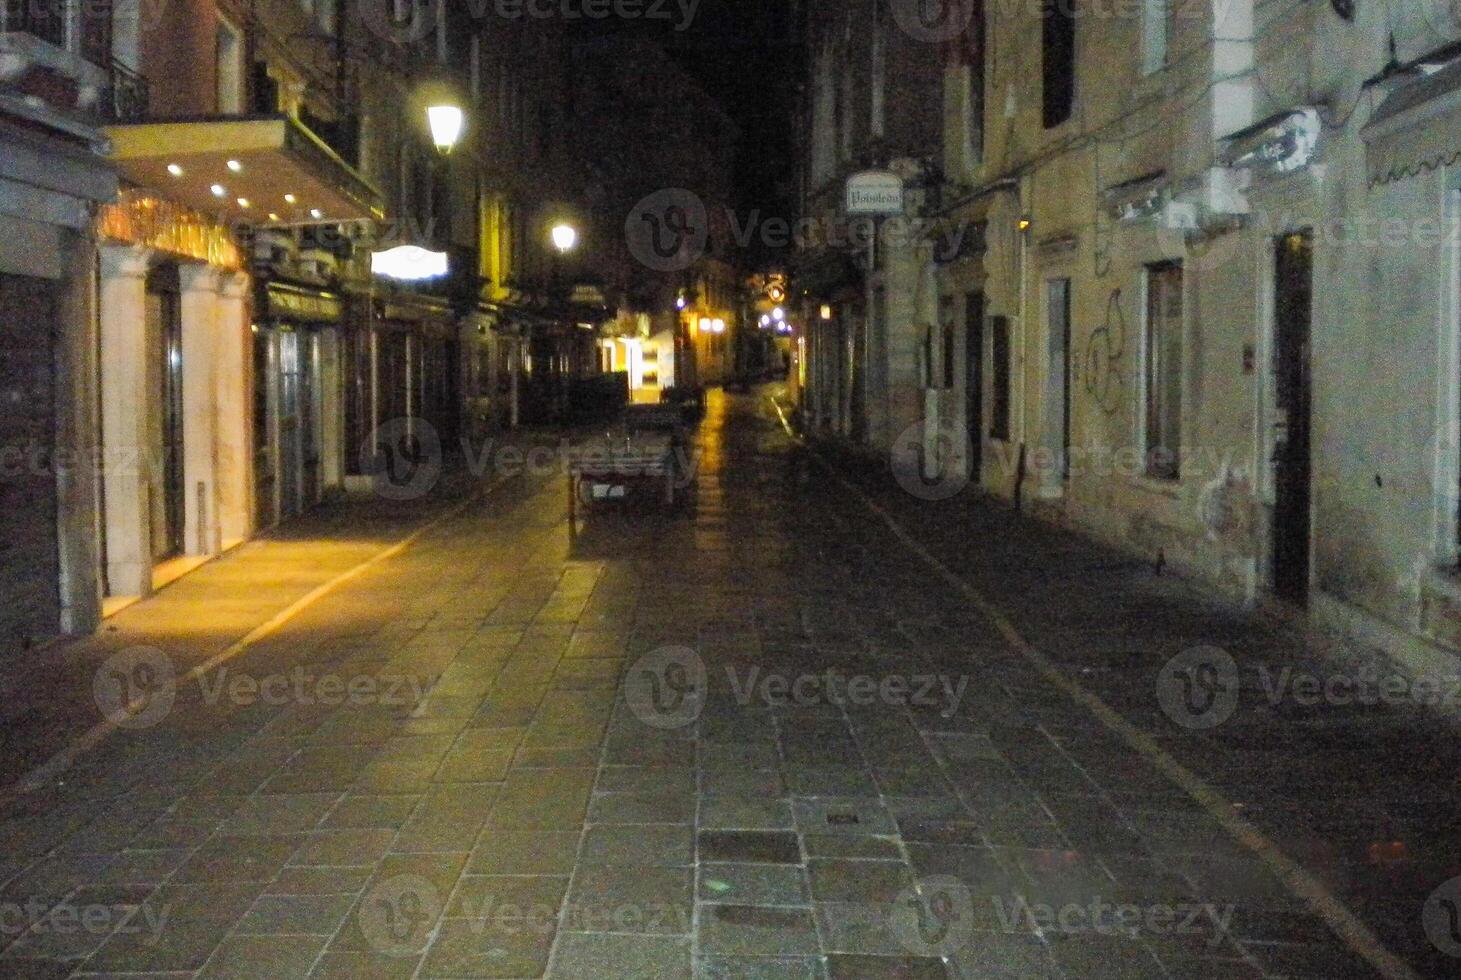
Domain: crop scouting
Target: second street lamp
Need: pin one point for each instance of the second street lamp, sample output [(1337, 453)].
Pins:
[(446, 122), (564, 237)]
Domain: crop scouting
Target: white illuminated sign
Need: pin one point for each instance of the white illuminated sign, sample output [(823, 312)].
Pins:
[(408, 262)]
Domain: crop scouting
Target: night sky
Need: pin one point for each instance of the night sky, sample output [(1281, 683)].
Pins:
[(745, 54)]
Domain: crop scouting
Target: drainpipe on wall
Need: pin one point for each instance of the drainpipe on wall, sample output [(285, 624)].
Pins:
[(1024, 255)]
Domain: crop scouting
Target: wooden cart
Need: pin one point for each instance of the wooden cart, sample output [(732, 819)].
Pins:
[(647, 452)]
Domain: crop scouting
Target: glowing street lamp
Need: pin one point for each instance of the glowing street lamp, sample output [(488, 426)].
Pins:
[(564, 237), (446, 122)]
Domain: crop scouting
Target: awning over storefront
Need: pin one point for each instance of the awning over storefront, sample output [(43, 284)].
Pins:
[(1417, 129), (258, 169)]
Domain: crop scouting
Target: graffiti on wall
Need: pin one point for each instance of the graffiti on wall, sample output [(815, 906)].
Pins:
[(1105, 358)]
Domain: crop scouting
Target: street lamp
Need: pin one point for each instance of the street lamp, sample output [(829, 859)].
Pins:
[(446, 121), (564, 237)]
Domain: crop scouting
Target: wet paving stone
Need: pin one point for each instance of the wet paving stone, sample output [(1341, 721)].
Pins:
[(667, 845), (864, 882), (582, 956), (758, 968), (524, 852), (761, 847), (631, 899), (745, 930), (740, 813), (844, 967), (752, 884)]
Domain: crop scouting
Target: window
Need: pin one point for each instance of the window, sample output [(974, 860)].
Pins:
[(1162, 375), (45, 21), (96, 31), (265, 90), (1057, 61), (229, 50), (1153, 36), (999, 356)]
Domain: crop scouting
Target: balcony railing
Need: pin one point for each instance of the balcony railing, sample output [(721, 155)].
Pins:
[(82, 27), (45, 19)]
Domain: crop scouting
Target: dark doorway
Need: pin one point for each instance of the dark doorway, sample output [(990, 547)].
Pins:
[(974, 380), (1293, 291), (165, 330)]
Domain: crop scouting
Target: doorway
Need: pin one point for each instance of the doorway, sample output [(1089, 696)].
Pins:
[(1293, 301), (974, 380), (165, 334)]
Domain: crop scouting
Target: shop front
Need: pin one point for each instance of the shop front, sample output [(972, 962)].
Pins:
[(171, 301), (219, 392), (297, 391), (402, 380)]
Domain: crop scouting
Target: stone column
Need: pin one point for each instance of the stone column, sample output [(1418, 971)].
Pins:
[(77, 437), (199, 312), (232, 363), (331, 410), (126, 465)]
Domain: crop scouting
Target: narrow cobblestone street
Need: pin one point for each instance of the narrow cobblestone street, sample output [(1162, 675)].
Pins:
[(766, 736)]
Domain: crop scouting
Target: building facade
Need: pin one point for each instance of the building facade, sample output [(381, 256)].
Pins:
[(55, 90), (1194, 280), (196, 323), (867, 107)]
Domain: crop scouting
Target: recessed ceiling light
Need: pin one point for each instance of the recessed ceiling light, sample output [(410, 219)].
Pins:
[(316, 213), (175, 170), (243, 202), (289, 199), (235, 166), (218, 190), (273, 216)]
